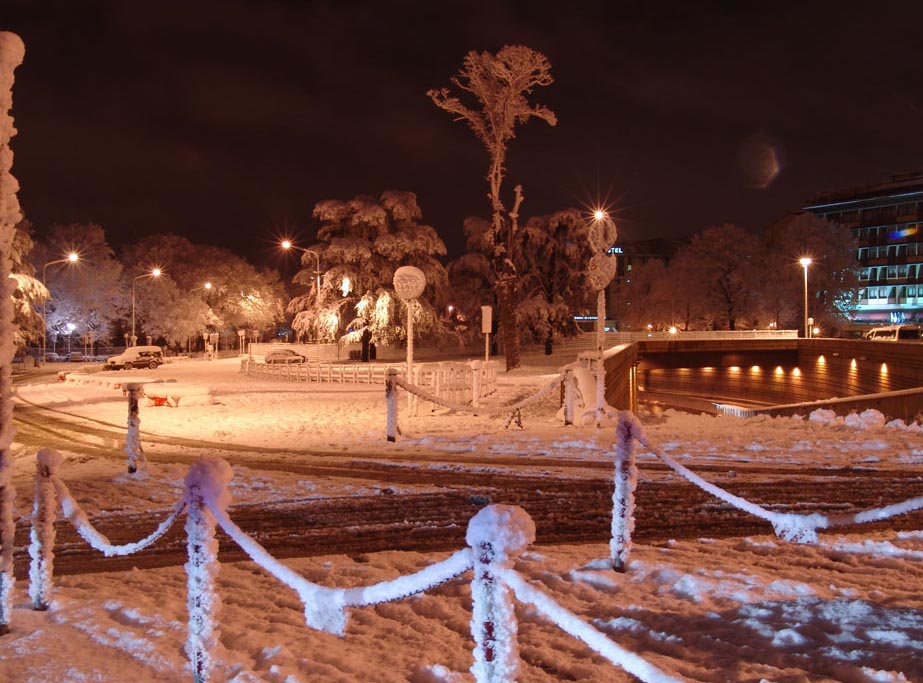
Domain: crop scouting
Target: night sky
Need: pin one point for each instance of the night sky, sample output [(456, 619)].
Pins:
[(227, 121)]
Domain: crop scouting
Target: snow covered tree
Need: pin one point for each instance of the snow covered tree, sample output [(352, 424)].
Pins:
[(179, 306), (553, 255), (83, 297), (29, 290), (499, 85), (361, 243)]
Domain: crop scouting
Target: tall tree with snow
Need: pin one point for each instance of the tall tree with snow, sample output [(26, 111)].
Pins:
[(12, 52), (472, 282), (498, 86), (362, 242)]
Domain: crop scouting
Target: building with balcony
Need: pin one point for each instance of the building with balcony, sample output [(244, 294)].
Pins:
[(887, 222)]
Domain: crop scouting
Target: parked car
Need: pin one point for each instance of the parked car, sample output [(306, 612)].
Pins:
[(137, 357), (51, 357), (284, 356), (909, 333)]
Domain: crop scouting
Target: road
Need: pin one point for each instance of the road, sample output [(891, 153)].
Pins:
[(573, 506)]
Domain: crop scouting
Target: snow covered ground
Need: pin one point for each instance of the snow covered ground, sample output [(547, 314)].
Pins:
[(849, 608)]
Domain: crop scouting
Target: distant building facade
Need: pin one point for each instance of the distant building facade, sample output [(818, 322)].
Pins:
[(887, 222), (628, 255)]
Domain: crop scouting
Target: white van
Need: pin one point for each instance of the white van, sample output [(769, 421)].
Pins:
[(910, 333), (137, 357)]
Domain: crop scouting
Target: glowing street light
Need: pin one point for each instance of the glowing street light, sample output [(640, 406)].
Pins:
[(602, 235), (287, 245), (155, 273), (72, 257), (805, 262)]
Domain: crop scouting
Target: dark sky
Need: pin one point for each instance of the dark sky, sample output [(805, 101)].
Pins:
[(226, 121)]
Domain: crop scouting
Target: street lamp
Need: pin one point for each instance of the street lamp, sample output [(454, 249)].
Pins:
[(207, 285), (602, 235), (72, 257), (154, 273), (805, 262), (287, 245)]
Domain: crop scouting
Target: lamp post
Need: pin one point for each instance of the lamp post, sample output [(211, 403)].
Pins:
[(805, 262), (72, 257), (154, 273), (601, 271), (287, 245)]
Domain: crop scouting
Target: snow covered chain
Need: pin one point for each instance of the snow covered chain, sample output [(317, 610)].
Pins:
[(394, 380), (495, 536)]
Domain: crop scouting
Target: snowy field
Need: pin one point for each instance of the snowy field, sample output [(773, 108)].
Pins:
[(848, 608)]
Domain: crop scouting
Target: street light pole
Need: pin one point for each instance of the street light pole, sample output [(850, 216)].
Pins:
[(154, 273), (72, 257), (287, 244), (601, 271), (805, 262)]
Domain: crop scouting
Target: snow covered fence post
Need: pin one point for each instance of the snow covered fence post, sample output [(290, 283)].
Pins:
[(623, 496), (41, 548), (206, 482), (494, 533), (391, 401), (12, 52), (569, 396), (133, 438), (475, 384)]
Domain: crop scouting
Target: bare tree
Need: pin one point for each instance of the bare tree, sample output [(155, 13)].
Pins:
[(833, 276), (500, 85), (727, 257)]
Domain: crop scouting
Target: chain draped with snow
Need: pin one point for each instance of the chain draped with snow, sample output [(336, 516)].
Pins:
[(512, 410), (495, 535), (792, 527), (49, 490)]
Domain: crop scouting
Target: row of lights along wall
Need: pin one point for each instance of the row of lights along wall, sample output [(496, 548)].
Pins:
[(810, 377)]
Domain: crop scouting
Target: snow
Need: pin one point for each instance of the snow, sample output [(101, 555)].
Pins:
[(848, 607)]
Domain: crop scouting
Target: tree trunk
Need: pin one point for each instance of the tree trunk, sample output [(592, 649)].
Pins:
[(509, 330), (366, 345)]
